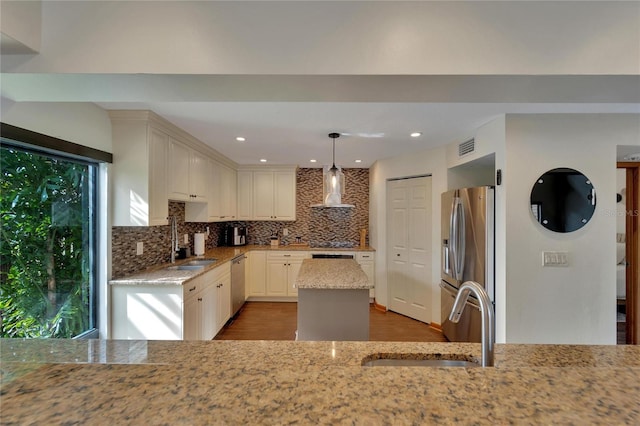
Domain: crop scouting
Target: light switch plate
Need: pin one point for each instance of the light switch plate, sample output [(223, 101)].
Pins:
[(186, 238), (139, 248), (555, 258)]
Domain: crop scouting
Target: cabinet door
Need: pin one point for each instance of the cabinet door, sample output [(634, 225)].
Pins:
[(198, 172), (224, 302), (263, 190), (245, 195), (158, 201), (277, 277), (214, 194), (228, 185), (191, 325), (292, 273), (368, 268), (178, 171), (256, 283), (284, 204), (209, 309)]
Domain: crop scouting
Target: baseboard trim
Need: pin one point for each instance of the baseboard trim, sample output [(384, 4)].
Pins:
[(379, 307), (272, 299), (435, 326)]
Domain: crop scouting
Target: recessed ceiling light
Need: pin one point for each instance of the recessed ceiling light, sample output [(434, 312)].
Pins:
[(240, 139), (263, 160), (312, 161), (416, 134), (358, 161)]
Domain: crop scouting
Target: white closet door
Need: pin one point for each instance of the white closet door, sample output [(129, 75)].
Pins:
[(409, 247)]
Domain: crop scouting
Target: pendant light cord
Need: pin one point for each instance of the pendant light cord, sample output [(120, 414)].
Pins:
[(334, 136)]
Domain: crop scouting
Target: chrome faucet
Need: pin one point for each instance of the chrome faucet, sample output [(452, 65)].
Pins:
[(174, 238), (488, 322)]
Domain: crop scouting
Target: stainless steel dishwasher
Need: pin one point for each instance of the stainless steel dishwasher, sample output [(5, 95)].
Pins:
[(237, 284)]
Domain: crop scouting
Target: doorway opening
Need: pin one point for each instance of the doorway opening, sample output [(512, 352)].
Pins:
[(628, 256)]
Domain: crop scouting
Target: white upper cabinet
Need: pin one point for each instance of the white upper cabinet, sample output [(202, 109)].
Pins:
[(267, 194), (155, 161), (140, 152), (188, 171), (245, 195), (228, 193), (221, 194), (284, 196), (263, 195)]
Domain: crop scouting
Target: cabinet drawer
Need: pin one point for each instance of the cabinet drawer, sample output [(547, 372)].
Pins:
[(216, 275), (193, 287), (365, 257), (287, 256)]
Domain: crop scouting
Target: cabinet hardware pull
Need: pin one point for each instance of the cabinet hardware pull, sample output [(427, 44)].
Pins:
[(398, 254), (287, 255)]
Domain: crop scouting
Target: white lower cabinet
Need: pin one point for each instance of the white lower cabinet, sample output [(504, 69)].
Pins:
[(256, 274), (197, 310), (282, 271), (223, 299), (367, 263)]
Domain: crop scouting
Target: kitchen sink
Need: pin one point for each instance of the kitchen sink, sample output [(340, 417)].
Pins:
[(201, 262), (185, 268), (424, 360)]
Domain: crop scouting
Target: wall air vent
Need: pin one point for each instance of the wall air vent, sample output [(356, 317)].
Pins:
[(466, 147)]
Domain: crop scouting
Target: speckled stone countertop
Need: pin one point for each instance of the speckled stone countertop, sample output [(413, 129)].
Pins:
[(264, 382), (332, 274), (159, 274)]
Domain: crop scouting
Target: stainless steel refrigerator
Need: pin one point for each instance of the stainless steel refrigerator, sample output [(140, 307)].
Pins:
[(468, 249)]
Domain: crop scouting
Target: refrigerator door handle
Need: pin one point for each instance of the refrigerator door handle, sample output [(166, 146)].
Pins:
[(458, 241), (453, 237), (446, 259), (471, 301)]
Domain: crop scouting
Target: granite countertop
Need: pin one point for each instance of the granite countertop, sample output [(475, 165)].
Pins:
[(159, 274), (264, 382), (332, 274)]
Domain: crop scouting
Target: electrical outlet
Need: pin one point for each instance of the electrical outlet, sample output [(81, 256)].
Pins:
[(186, 238), (139, 248), (285, 232), (555, 258)]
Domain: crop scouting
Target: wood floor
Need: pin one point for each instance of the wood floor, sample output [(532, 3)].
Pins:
[(277, 321)]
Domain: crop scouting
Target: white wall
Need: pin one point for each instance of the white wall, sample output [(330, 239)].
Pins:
[(575, 304), (21, 20), (427, 162), (346, 37), (82, 123)]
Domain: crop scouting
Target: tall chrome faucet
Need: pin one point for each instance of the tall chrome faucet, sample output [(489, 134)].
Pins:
[(488, 322), (174, 238)]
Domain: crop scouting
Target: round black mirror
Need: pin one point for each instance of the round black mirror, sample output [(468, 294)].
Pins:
[(563, 200)]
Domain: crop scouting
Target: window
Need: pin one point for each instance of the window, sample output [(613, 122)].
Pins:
[(48, 245)]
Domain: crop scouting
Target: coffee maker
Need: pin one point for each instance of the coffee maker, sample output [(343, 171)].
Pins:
[(235, 236)]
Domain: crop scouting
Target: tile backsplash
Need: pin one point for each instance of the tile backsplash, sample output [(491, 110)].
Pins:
[(321, 227), (157, 242)]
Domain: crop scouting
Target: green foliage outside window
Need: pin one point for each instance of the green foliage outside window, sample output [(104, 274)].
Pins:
[(45, 271)]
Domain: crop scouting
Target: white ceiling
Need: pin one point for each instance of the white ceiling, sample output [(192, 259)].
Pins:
[(295, 71), (296, 132)]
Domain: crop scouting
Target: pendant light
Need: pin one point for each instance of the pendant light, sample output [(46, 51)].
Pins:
[(333, 179)]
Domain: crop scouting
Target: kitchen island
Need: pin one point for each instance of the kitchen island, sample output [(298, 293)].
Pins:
[(266, 382), (333, 300)]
